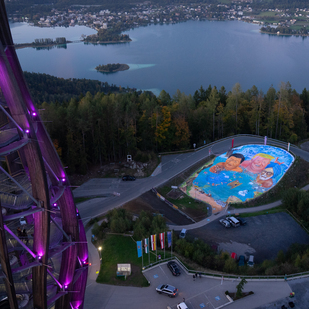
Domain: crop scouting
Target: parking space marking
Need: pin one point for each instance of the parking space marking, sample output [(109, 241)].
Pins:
[(163, 271), (209, 302)]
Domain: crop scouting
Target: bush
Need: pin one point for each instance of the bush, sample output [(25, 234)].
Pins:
[(98, 231), (227, 293), (92, 221)]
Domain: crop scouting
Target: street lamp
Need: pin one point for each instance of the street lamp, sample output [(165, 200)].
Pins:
[(100, 248)]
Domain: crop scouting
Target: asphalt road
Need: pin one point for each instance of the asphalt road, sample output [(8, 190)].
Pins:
[(207, 291), (171, 166)]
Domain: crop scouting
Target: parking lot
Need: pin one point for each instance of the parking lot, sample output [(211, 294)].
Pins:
[(263, 236), (209, 293), (200, 293)]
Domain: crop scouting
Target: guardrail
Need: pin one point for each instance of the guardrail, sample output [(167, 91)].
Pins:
[(224, 276), (229, 137)]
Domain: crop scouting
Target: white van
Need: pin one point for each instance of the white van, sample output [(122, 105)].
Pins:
[(182, 306), (234, 222), (183, 233), (251, 261)]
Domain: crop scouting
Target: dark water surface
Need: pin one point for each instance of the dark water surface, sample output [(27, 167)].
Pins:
[(182, 56)]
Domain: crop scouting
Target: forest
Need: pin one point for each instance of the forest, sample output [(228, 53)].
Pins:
[(109, 35), (104, 127), (112, 67), (284, 30)]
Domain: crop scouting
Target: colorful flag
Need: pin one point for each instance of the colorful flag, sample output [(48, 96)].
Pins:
[(169, 239), (146, 244), (162, 240), (153, 242), (139, 248)]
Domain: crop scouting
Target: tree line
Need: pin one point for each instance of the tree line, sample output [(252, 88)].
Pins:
[(284, 30), (98, 127), (109, 35), (48, 88), (119, 220)]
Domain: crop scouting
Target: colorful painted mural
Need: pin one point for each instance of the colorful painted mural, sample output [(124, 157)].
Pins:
[(243, 174)]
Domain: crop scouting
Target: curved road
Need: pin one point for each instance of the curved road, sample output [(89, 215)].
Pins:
[(266, 294), (171, 166)]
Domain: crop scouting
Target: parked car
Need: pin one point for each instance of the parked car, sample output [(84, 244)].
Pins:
[(174, 268), (225, 223), (241, 220), (183, 233), (182, 306), (241, 261), (233, 221), (167, 289), (128, 177), (251, 261)]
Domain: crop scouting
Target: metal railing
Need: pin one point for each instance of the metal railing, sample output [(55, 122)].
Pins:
[(230, 276)]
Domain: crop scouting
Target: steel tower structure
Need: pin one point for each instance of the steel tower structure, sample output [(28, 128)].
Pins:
[(43, 246)]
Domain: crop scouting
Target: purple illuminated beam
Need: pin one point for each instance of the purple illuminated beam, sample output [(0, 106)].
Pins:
[(20, 242)]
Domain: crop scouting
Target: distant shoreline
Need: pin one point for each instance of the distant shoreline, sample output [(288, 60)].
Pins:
[(287, 34), (122, 67), (34, 45), (111, 42)]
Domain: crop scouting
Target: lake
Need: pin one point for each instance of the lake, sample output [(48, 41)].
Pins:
[(182, 56)]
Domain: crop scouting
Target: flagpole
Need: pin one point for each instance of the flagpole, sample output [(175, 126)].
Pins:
[(155, 243), (142, 255), (164, 244), (148, 253), (172, 245), (156, 251)]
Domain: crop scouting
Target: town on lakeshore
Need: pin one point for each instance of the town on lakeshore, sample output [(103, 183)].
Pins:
[(109, 23)]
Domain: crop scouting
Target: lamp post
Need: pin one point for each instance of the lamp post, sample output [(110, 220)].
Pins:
[(100, 248)]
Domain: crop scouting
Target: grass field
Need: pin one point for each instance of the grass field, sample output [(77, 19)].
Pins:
[(117, 249), (263, 212), (267, 14)]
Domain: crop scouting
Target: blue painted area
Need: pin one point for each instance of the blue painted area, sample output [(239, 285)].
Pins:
[(155, 276), (261, 169), (202, 305), (217, 298)]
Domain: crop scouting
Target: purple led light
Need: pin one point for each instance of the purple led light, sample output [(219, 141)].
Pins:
[(27, 131), (34, 114), (63, 179), (55, 204)]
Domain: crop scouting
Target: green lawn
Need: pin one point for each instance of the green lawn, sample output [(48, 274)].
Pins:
[(263, 212), (267, 14), (120, 249)]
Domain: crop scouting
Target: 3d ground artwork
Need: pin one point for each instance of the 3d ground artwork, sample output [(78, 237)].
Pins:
[(242, 174)]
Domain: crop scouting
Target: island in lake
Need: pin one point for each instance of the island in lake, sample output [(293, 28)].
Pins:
[(112, 67)]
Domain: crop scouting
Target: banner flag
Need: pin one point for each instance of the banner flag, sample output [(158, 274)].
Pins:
[(139, 248), (146, 245), (162, 240), (153, 242), (169, 239)]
